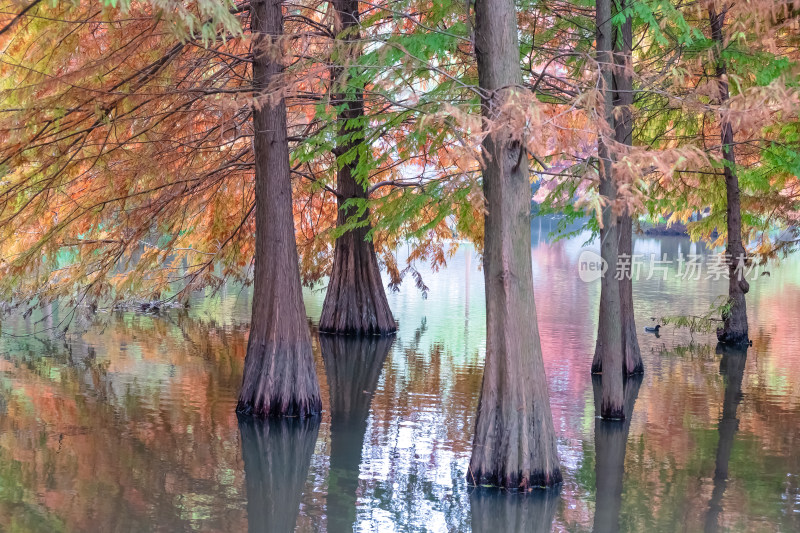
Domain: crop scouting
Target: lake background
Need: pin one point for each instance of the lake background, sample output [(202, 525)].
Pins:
[(131, 425)]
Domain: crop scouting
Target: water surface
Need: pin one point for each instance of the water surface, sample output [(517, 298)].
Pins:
[(131, 425)]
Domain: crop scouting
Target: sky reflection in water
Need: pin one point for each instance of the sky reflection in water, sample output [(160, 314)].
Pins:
[(131, 426)]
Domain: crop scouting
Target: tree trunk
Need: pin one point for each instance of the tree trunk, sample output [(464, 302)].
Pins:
[(353, 366), (632, 355), (514, 444), (610, 441), (280, 378), (608, 350), (732, 367), (277, 456), (355, 302), (734, 330), (623, 134), (597, 359)]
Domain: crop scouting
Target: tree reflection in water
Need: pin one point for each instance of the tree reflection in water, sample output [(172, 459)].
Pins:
[(494, 510), (131, 426), (353, 367), (277, 455), (732, 368), (610, 438)]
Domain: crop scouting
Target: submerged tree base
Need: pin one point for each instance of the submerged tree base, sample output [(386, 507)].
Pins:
[(735, 331), (635, 368), (280, 380), (277, 408), (732, 338), (356, 331), (516, 480), (632, 365), (612, 412), (355, 303)]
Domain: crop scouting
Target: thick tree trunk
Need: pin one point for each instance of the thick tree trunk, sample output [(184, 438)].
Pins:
[(608, 350), (280, 378), (514, 444), (356, 300), (734, 330), (277, 455), (495, 511), (353, 366), (732, 367), (623, 134), (610, 441)]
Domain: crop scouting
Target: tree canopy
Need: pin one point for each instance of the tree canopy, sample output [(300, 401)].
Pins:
[(127, 164)]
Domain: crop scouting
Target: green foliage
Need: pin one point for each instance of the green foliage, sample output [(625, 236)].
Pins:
[(706, 323), (666, 22)]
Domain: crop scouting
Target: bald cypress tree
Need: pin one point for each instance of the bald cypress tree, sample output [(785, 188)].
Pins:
[(734, 330), (355, 301), (514, 444), (280, 378), (609, 349), (623, 135)]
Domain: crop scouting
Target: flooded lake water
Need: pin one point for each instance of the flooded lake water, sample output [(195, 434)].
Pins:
[(131, 425)]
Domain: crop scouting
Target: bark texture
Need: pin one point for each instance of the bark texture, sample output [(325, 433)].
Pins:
[(608, 350), (493, 511), (734, 330), (623, 134), (610, 441), (353, 366), (732, 367), (514, 444), (280, 378), (355, 302), (277, 455)]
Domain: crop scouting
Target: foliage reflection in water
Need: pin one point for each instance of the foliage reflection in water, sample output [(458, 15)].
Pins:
[(131, 426)]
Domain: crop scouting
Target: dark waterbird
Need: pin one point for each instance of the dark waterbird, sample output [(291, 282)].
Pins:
[(654, 329)]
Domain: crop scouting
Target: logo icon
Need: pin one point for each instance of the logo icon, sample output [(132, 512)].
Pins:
[(591, 266)]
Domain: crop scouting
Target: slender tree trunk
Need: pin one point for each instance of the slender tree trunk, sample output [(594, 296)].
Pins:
[(277, 456), (610, 441), (623, 133), (632, 355), (280, 378), (732, 367), (608, 351), (353, 366), (734, 330), (356, 300), (514, 444)]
